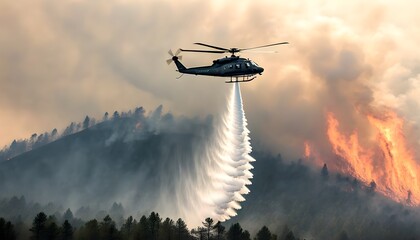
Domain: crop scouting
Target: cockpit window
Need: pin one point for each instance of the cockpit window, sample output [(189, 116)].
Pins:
[(247, 64), (253, 63)]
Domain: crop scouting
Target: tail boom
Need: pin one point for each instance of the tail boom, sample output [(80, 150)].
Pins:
[(178, 64)]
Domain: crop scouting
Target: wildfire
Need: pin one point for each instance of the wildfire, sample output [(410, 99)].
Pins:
[(307, 150), (388, 161), (358, 160)]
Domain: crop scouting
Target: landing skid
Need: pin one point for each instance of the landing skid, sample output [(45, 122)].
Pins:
[(244, 79)]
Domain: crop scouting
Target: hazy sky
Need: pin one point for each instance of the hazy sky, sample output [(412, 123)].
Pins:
[(63, 60)]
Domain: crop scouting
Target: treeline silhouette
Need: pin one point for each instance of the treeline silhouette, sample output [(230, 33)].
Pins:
[(18, 209), (19, 146), (153, 227), (339, 198)]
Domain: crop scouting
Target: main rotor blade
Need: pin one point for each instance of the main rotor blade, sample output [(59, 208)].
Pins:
[(269, 45), (201, 51), (210, 46), (259, 51)]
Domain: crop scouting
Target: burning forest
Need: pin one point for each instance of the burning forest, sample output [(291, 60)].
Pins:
[(382, 158)]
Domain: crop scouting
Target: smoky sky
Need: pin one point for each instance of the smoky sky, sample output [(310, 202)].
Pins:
[(63, 60)]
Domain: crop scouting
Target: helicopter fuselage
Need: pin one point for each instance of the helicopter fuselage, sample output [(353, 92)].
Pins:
[(233, 66)]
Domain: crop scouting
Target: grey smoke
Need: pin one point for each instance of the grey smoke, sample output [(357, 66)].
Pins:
[(144, 173)]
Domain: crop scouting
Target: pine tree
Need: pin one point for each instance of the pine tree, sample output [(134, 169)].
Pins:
[(116, 115), (68, 215), (208, 225), (52, 230), (66, 231), (166, 231), (91, 230), (142, 231), (127, 228), (181, 232), (54, 133), (107, 229), (86, 122), (235, 232), (372, 186), (245, 235), (264, 234), (220, 230), (39, 226), (324, 171), (7, 231), (154, 222), (199, 232)]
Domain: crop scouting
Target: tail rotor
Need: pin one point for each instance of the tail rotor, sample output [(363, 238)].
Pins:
[(174, 56)]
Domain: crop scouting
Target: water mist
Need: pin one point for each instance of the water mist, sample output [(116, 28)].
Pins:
[(222, 169)]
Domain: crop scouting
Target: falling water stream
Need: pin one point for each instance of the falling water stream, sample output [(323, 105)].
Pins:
[(223, 170)]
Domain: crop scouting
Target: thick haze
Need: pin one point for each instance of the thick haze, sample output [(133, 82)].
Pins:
[(62, 60), (140, 163)]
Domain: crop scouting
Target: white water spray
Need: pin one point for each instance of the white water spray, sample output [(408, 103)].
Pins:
[(222, 169)]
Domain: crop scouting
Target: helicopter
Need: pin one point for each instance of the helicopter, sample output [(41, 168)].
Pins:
[(242, 69)]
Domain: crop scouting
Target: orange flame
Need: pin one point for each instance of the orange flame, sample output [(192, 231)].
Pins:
[(400, 171), (307, 150), (311, 155), (359, 162), (392, 166)]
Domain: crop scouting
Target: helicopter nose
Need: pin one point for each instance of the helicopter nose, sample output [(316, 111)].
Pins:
[(260, 70)]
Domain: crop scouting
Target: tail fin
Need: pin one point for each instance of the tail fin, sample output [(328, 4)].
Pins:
[(178, 64), (175, 58)]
